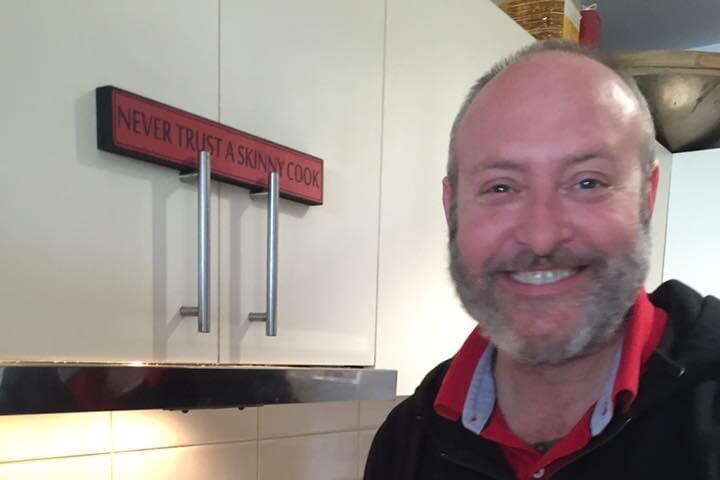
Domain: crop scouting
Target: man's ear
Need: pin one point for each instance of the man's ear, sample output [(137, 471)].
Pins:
[(652, 186), (447, 197)]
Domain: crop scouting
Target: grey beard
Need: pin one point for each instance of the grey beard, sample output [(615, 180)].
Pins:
[(616, 283)]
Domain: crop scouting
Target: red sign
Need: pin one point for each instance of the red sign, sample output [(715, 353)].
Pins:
[(141, 128)]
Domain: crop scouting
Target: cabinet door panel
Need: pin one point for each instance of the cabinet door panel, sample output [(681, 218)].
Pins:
[(99, 251), (434, 55), (307, 75)]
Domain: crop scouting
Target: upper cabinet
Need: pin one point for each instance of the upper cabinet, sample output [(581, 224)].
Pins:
[(98, 251), (434, 54), (693, 228), (308, 75)]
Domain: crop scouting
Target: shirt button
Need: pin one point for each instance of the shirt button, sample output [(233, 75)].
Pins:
[(541, 447), (539, 473)]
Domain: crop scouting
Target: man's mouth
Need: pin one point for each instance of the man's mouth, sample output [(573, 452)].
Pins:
[(543, 277)]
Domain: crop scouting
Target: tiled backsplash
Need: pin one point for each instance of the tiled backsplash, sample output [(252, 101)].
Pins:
[(318, 441)]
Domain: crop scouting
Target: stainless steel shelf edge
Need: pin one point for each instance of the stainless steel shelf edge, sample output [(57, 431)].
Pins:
[(29, 389)]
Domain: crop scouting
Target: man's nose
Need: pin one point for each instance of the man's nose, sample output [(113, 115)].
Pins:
[(543, 225)]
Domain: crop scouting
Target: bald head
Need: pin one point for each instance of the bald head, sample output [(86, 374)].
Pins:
[(545, 81)]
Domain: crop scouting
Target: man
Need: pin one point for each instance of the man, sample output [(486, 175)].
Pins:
[(574, 372)]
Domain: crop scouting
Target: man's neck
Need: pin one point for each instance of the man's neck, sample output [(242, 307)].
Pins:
[(543, 403)]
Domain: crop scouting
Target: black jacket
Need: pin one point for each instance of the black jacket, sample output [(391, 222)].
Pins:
[(672, 430)]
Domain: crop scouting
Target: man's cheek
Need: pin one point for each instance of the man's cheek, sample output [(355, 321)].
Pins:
[(611, 237), (474, 249)]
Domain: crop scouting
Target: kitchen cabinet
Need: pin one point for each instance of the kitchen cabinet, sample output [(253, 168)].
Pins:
[(308, 75), (693, 229), (433, 57), (99, 251)]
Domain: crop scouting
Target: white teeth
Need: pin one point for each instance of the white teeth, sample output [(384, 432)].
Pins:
[(541, 277)]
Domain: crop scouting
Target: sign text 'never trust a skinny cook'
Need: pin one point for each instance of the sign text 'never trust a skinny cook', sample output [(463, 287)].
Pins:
[(141, 128)]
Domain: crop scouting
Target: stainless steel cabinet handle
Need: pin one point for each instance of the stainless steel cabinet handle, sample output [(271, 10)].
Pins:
[(270, 316), (202, 311)]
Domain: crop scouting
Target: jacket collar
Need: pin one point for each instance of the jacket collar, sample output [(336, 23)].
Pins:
[(687, 353)]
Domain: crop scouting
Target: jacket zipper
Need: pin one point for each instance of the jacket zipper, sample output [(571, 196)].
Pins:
[(471, 467), (587, 451), (679, 372)]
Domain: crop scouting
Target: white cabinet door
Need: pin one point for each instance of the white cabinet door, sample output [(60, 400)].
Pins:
[(434, 55), (98, 251), (307, 75), (693, 228)]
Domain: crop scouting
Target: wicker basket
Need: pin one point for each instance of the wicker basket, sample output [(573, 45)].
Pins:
[(546, 18)]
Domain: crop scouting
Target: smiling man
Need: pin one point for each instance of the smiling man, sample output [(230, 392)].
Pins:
[(574, 371)]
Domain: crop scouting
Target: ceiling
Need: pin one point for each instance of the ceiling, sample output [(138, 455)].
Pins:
[(658, 24)]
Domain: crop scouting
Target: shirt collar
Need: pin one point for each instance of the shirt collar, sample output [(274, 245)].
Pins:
[(645, 327), (454, 387), (480, 399)]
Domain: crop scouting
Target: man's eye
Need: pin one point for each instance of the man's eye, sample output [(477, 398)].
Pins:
[(499, 188), (589, 184)]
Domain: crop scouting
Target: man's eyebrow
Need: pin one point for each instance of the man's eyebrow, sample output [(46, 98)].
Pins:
[(516, 166), (498, 165)]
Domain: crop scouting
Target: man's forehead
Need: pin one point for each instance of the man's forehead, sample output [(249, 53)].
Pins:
[(547, 68), (569, 76), (549, 97)]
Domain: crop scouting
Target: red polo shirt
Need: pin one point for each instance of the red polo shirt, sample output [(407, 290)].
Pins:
[(645, 327)]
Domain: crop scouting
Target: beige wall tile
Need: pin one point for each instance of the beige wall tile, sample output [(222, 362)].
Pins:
[(27, 437), (330, 456), (365, 439), (303, 419), (143, 429), (96, 467), (228, 461), (374, 412)]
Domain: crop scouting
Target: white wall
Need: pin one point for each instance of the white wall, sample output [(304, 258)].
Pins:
[(715, 47), (658, 225), (693, 231)]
